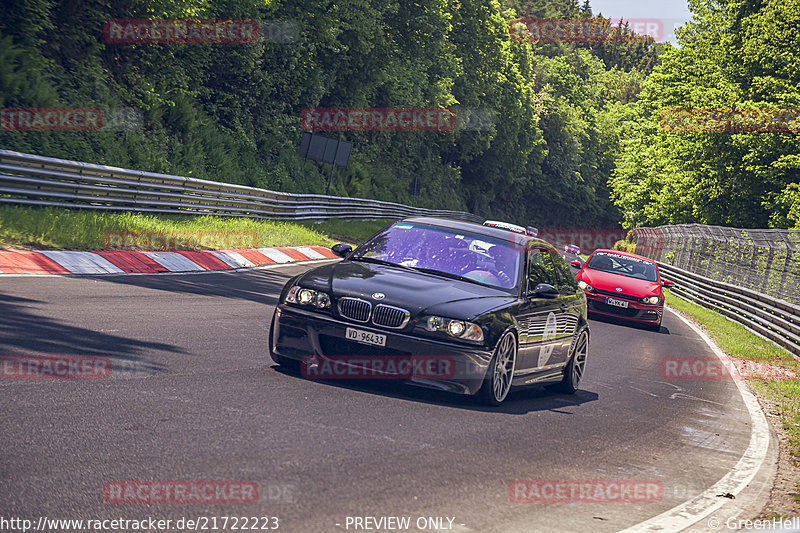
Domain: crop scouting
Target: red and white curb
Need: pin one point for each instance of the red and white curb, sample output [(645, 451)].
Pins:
[(130, 261)]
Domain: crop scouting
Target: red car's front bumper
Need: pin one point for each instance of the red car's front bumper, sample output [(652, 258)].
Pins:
[(636, 310)]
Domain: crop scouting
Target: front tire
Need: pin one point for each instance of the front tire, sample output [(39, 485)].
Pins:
[(573, 373), (500, 373)]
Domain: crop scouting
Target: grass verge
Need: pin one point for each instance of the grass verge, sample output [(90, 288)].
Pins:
[(57, 228), (351, 231), (735, 340)]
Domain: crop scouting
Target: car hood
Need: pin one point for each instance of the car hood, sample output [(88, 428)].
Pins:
[(606, 281), (417, 292)]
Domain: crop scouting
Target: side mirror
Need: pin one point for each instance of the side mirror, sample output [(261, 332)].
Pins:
[(668, 283), (544, 290), (341, 249), (576, 263)]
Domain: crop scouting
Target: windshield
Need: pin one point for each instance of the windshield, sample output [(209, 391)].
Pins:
[(473, 257), (623, 265)]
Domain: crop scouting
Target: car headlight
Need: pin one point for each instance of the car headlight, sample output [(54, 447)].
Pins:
[(301, 296), (651, 300), (323, 301), (456, 328), (305, 296), (460, 329), (291, 296), (585, 286)]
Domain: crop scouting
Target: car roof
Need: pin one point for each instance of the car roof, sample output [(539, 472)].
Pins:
[(625, 254), (480, 229)]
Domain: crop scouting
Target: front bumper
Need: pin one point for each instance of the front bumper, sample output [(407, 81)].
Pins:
[(312, 337), (636, 310)]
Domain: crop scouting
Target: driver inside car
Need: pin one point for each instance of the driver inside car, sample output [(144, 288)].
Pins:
[(639, 270), (505, 262)]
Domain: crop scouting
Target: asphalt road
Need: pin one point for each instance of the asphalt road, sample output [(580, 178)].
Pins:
[(193, 395)]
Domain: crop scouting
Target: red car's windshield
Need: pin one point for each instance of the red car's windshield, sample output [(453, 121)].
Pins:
[(475, 257), (624, 265)]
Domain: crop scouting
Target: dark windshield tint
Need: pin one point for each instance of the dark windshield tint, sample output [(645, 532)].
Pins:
[(623, 265), (478, 258)]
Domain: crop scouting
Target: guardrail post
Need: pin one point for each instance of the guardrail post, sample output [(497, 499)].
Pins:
[(786, 262)]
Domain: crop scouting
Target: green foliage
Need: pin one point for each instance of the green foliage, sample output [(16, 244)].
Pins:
[(229, 112), (734, 55), (786, 208), (353, 231), (628, 244), (625, 246)]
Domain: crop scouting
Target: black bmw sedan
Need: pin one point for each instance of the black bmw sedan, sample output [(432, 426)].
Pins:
[(444, 304)]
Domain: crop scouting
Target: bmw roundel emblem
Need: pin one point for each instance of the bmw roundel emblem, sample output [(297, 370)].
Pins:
[(618, 289), (378, 295)]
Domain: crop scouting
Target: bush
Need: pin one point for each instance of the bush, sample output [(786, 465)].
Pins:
[(625, 246)]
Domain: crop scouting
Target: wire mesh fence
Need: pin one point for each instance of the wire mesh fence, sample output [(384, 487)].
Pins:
[(764, 260)]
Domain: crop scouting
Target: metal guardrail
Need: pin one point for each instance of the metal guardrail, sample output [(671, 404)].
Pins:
[(36, 180), (775, 319)]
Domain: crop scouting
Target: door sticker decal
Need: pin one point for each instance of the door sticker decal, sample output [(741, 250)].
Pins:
[(546, 350)]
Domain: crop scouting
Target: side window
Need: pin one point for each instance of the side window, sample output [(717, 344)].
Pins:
[(540, 269), (566, 279)]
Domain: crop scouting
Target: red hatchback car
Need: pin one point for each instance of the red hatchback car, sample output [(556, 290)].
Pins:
[(623, 285)]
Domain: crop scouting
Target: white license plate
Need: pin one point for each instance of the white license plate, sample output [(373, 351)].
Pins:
[(366, 337), (618, 303)]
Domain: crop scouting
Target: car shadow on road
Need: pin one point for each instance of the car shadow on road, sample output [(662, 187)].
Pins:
[(23, 332), (622, 322), (262, 286), (519, 401)]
